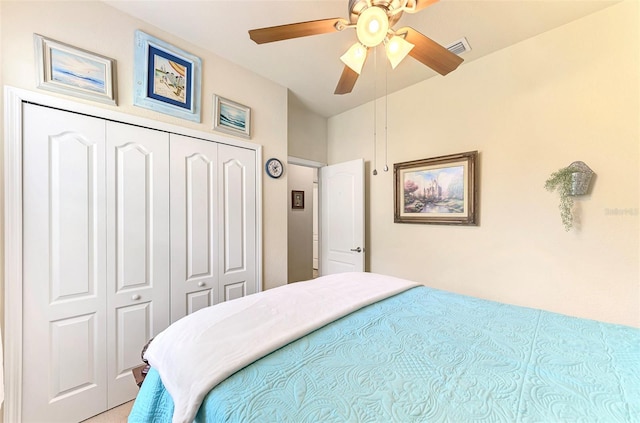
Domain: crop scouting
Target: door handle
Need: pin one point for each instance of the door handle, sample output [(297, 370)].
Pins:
[(357, 250), (135, 297)]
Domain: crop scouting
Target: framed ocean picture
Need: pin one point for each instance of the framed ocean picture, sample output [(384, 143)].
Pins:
[(231, 117), (73, 71), (167, 79), (438, 190)]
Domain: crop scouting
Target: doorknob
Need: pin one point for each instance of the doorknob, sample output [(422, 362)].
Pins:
[(135, 297), (357, 250)]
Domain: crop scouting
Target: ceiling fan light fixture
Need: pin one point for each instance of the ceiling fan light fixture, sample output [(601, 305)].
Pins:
[(373, 21), (372, 26), (355, 57), (397, 49)]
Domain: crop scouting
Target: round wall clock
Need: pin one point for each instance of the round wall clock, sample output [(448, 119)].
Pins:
[(274, 168)]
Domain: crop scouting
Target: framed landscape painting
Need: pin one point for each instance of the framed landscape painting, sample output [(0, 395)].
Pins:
[(231, 117), (439, 190), (167, 78), (70, 70)]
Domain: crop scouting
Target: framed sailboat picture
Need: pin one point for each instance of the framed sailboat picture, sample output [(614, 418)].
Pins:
[(167, 78), (231, 117)]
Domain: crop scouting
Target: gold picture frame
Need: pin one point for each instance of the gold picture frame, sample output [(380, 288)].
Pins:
[(439, 190)]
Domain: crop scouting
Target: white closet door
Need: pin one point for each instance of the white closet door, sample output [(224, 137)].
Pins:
[(194, 229), (64, 350), (237, 222), (137, 249)]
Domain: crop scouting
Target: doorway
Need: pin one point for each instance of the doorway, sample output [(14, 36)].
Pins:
[(339, 209), (302, 221)]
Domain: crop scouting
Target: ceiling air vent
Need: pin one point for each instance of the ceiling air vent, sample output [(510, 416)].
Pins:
[(459, 47)]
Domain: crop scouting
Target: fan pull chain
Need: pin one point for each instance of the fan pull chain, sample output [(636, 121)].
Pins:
[(375, 91), (386, 118)]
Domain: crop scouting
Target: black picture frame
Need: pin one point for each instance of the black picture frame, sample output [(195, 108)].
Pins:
[(297, 200)]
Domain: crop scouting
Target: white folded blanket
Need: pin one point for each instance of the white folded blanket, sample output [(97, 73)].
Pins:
[(199, 351)]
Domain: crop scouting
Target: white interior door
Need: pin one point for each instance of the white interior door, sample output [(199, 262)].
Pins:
[(137, 249), (64, 287), (237, 222), (342, 218), (194, 225)]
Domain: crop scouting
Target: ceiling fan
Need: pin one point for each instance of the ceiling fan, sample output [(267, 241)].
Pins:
[(373, 21)]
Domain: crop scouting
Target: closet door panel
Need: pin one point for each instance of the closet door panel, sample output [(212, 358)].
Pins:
[(194, 231), (138, 249), (72, 363), (199, 299), (131, 327), (64, 295), (237, 201)]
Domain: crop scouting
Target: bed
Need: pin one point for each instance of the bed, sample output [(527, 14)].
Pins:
[(362, 347)]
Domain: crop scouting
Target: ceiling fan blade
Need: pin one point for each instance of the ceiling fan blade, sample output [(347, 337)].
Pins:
[(295, 30), (419, 5), (430, 53), (347, 81)]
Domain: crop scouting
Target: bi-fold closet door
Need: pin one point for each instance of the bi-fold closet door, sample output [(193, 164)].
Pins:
[(104, 268), (213, 234), (96, 259)]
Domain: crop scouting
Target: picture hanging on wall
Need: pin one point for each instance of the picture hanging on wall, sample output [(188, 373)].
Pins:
[(231, 117), (167, 79), (297, 200), (70, 70), (439, 190)]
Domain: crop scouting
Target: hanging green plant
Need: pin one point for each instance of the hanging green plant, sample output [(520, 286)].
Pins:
[(560, 181)]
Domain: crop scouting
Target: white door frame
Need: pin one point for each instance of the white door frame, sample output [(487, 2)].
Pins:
[(13, 99)]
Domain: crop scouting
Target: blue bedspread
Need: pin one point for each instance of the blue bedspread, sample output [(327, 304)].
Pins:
[(429, 355)]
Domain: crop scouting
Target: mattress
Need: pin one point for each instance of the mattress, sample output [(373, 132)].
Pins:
[(429, 355)]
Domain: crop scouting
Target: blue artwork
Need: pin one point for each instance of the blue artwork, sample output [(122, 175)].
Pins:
[(232, 117), (170, 78), (77, 71), (167, 79)]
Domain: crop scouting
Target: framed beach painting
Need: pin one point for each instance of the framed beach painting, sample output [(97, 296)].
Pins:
[(231, 117), (439, 190), (70, 70), (167, 79)]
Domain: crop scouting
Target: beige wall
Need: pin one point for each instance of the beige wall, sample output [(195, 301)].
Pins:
[(102, 29), (569, 94), (307, 132), (300, 225)]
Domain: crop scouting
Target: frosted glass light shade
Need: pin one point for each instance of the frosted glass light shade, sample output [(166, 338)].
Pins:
[(397, 49), (355, 57), (372, 26)]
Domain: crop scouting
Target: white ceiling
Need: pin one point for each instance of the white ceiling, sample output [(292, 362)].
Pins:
[(310, 67)]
